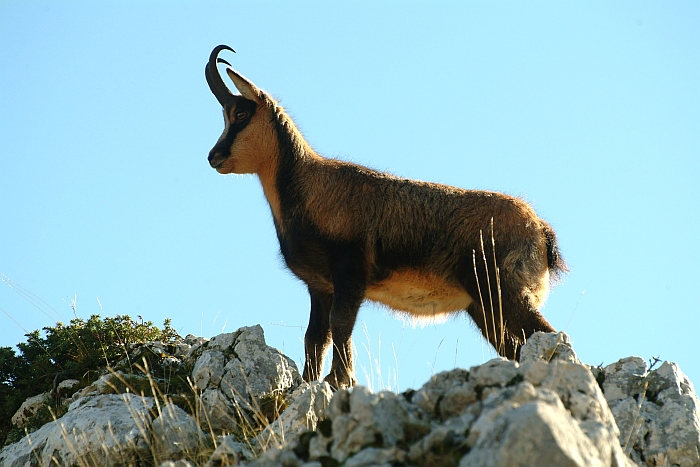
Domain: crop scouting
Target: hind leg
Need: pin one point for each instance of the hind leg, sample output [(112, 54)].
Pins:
[(490, 326), (494, 320), (488, 310), (522, 318), (506, 315), (519, 323)]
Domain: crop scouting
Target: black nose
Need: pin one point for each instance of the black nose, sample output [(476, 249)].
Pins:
[(216, 158)]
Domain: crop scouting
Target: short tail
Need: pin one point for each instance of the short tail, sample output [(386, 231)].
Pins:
[(555, 261)]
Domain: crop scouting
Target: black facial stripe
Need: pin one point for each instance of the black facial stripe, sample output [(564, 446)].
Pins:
[(235, 126)]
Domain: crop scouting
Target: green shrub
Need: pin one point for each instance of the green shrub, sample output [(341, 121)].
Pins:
[(81, 350)]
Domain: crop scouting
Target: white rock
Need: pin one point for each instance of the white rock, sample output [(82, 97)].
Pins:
[(498, 413), (218, 413), (229, 452), (658, 412), (195, 344), (624, 378), (456, 400), (67, 384), (548, 346), (428, 396), (191, 339), (101, 386), (178, 463), (109, 430), (377, 457), (308, 404), (209, 369), (576, 387), (276, 458), (533, 434), (29, 408), (176, 434), (236, 369), (362, 419), (495, 372), (258, 368), (445, 444), (547, 410)]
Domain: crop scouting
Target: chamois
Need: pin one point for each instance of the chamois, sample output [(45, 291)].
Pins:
[(352, 233)]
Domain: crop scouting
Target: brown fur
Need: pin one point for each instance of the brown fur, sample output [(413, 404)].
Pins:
[(352, 233)]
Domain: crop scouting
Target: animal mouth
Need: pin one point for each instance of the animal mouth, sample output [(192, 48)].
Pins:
[(217, 161)]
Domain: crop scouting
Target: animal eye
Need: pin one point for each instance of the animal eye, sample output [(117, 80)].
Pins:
[(241, 115)]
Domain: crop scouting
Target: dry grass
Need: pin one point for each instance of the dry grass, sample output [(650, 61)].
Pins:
[(248, 423), (498, 336)]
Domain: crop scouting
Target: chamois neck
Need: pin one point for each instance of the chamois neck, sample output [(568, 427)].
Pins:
[(293, 147), (291, 151)]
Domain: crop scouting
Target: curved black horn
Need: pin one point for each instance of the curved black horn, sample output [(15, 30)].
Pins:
[(216, 84)]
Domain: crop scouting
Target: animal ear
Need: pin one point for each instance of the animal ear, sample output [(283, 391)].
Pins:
[(245, 87)]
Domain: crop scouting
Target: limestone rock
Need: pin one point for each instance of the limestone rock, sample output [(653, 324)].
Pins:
[(428, 396), (66, 385), (101, 386), (445, 444), (176, 434), (623, 379), (230, 452), (217, 412), (29, 408), (361, 419), (234, 370), (549, 409), (276, 458), (178, 463), (209, 369), (496, 372), (376, 457), (496, 414), (195, 344), (106, 430), (538, 432), (159, 354), (658, 412), (524, 425), (308, 404), (548, 346)]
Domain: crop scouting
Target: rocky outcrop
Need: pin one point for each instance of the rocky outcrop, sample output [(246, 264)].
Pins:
[(104, 430), (33, 404), (496, 414), (657, 411), (549, 409), (234, 372)]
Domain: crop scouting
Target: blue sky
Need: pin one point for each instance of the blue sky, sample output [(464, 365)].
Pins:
[(589, 111)]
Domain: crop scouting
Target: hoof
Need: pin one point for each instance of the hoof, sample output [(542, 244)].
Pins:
[(340, 381)]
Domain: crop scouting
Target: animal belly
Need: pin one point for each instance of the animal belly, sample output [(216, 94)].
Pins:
[(419, 294)]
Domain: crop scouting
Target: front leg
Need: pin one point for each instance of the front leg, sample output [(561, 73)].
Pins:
[(349, 291), (318, 334), (343, 316)]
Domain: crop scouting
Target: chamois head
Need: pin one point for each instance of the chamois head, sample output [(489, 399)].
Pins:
[(246, 139)]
